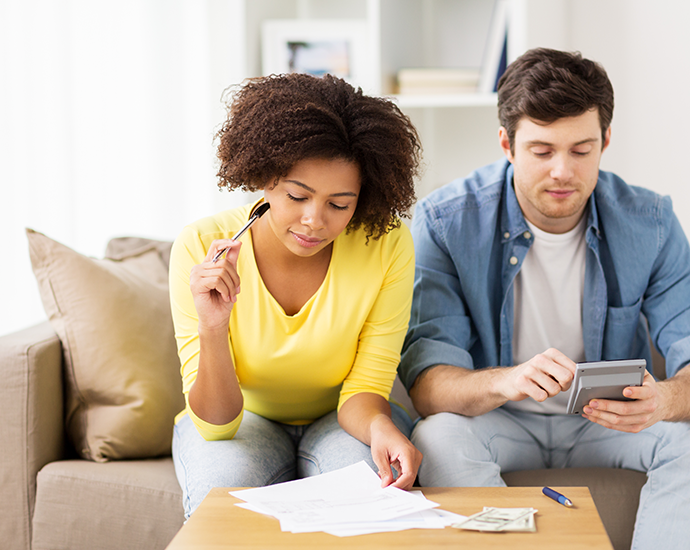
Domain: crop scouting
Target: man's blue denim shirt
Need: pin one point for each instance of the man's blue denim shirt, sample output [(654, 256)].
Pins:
[(471, 239)]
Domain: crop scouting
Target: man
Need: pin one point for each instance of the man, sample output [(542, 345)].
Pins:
[(530, 265)]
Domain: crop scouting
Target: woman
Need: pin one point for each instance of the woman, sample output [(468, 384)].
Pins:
[(291, 376)]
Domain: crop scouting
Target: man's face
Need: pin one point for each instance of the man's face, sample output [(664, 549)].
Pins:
[(556, 167)]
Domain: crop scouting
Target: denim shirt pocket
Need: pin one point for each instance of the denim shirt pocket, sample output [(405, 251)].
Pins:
[(620, 331)]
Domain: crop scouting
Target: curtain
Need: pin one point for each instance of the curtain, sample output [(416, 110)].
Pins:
[(107, 115)]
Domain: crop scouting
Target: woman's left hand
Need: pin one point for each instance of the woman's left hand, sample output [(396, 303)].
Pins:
[(367, 416), (390, 448)]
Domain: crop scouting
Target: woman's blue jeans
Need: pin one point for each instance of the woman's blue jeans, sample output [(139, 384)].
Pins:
[(264, 452)]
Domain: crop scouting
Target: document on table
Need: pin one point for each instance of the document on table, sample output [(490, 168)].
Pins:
[(346, 502)]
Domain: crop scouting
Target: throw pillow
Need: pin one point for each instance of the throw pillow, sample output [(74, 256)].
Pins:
[(121, 367)]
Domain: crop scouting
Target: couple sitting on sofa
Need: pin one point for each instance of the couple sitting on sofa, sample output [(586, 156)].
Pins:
[(537, 261)]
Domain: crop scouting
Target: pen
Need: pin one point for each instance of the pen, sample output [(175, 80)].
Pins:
[(260, 211), (558, 497)]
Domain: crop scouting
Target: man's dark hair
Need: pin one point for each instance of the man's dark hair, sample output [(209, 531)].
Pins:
[(545, 85)]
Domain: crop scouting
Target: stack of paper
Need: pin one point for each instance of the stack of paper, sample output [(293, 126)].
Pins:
[(345, 502)]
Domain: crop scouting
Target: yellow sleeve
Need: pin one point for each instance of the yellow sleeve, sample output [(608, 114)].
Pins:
[(188, 250), (381, 337), (213, 432)]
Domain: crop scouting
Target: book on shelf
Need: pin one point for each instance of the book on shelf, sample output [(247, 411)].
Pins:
[(437, 81), (495, 58)]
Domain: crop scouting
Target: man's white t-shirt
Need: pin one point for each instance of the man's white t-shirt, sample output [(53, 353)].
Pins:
[(548, 305)]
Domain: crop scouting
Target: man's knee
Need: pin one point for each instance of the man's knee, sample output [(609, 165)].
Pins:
[(442, 429)]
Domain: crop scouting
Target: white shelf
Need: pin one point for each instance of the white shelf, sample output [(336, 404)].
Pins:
[(458, 131), (410, 101)]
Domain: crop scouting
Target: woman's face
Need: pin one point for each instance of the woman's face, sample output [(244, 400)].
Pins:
[(313, 204)]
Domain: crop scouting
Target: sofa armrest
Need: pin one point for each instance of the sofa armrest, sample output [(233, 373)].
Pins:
[(32, 427)]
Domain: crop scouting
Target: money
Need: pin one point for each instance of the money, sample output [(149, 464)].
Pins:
[(500, 520)]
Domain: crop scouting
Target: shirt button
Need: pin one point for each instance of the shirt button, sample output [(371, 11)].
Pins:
[(506, 235), (513, 260), (527, 235)]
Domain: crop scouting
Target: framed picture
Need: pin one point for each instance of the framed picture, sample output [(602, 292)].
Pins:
[(317, 47)]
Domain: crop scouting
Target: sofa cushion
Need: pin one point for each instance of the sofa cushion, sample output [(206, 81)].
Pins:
[(31, 430), (133, 504), (121, 366)]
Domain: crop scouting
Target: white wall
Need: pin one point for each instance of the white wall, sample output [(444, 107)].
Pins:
[(648, 50), (107, 116), (107, 112), (645, 48)]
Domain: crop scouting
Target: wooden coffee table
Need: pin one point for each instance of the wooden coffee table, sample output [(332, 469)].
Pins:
[(218, 523)]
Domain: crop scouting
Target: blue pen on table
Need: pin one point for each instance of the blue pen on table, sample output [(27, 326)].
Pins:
[(558, 497)]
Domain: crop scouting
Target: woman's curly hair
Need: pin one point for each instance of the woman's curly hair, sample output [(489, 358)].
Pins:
[(276, 121)]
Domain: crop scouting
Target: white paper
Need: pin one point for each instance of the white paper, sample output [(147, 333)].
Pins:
[(347, 502), (426, 519), (351, 480), (380, 505)]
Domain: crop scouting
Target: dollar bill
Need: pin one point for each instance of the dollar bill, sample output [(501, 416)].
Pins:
[(498, 520)]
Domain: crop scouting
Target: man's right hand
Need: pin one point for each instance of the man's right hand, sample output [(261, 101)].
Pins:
[(445, 388), (543, 376)]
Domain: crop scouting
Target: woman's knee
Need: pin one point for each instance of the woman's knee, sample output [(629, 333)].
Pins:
[(325, 447), (260, 454)]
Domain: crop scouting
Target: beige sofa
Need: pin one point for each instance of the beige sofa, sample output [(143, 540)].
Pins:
[(54, 498)]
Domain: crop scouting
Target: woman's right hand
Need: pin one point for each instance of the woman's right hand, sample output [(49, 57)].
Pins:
[(215, 286)]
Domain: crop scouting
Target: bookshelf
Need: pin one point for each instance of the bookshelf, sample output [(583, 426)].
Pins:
[(458, 130), (435, 101)]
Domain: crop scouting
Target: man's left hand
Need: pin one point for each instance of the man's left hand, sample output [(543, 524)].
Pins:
[(629, 416)]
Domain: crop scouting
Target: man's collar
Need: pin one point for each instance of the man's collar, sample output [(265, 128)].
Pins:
[(593, 216), (513, 221)]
